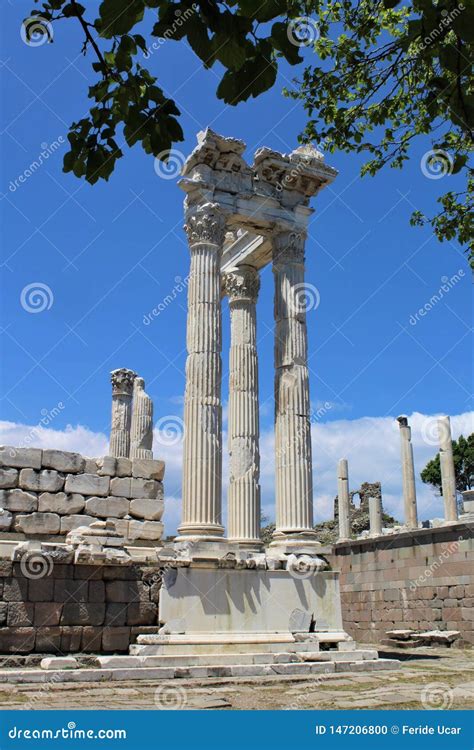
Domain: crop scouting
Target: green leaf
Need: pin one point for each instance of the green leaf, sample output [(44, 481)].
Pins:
[(119, 16)]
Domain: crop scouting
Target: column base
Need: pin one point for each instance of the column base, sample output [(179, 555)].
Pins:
[(303, 542), (255, 545), (200, 533)]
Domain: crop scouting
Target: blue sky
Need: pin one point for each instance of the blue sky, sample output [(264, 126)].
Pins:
[(111, 253)]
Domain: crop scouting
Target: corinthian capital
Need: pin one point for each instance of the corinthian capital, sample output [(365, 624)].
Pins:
[(122, 381), (206, 223), (242, 283)]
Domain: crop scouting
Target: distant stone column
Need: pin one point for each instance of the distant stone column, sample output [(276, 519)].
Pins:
[(293, 463), (375, 516), (343, 500), (122, 391), (408, 474), (241, 286), (141, 433), (202, 448), (448, 476)]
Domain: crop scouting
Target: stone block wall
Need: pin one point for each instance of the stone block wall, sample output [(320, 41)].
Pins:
[(422, 580), (44, 494), (76, 608)]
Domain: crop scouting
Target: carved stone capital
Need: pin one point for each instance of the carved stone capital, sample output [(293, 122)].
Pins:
[(242, 283), (122, 381), (288, 247), (206, 223)]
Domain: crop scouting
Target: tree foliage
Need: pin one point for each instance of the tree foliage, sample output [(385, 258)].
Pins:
[(384, 72), (463, 454)]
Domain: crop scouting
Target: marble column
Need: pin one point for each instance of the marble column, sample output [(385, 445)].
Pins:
[(343, 500), (375, 516), (122, 391), (293, 463), (202, 445), (241, 286), (141, 432), (408, 474), (448, 476)]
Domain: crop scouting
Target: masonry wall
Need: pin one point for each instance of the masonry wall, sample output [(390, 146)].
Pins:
[(44, 494), (72, 608), (422, 580)]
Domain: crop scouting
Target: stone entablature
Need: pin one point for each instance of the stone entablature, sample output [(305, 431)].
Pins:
[(49, 493)]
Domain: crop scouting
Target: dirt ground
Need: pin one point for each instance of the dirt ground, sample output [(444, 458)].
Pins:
[(428, 678)]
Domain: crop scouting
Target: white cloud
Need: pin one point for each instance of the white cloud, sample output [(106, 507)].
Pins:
[(371, 445)]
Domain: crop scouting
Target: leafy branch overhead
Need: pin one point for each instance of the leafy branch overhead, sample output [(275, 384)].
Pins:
[(383, 72)]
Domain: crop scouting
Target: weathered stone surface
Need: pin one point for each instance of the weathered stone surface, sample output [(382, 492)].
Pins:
[(124, 467), (3, 613), (18, 501), (116, 614), (141, 430), (151, 510), (122, 390), (148, 468), (83, 613), (145, 488), (65, 461), (38, 523), (68, 523), (107, 507), (59, 662), (120, 486), (20, 614), (116, 639), (142, 613), (87, 484), (8, 478), (106, 466), (48, 614), (6, 519), (17, 640), (90, 466), (150, 530), (47, 480), (20, 457), (61, 503)]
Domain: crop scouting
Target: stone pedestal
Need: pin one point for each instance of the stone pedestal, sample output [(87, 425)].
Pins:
[(343, 500), (468, 505), (241, 286), (141, 432), (122, 391), (408, 474), (293, 462), (448, 476), (202, 448)]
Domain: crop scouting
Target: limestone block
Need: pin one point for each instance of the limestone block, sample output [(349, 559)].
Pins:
[(70, 463), (151, 510), (59, 502), (68, 523), (47, 480), (150, 530), (5, 520), (145, 488), (59, 662), (87, 484), (107, 507), (90, 466), (120, 486), (107, 466), (124, 467), (20, 457), (20, 614), (148, 468), (17, 641), (83, 613), (38, 523), (8, 478), (18, 501), (117, 639)]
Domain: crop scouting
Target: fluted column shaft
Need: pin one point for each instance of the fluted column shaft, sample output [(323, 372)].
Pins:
[(343, 501), (141, 431), (408, 474), (448, 476), (202, 448), (241, 286), (293, 463), (122, 391)]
